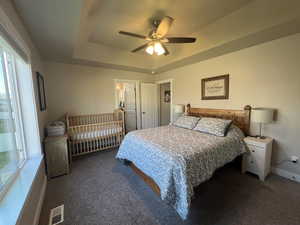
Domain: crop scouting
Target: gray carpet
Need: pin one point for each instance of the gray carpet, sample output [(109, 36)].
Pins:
[(101, 190)]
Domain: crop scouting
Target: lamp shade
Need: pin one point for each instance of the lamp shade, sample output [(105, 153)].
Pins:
[(179, 108), (262, 115)]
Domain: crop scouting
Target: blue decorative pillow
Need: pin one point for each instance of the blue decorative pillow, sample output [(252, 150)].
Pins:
[(215, 126), (188, 122)]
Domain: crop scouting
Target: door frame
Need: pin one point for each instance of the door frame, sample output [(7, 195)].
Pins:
[(171, 103), (137, 98)]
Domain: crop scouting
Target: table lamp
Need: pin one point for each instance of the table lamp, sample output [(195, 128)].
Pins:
[(261, 116), (179, 109)]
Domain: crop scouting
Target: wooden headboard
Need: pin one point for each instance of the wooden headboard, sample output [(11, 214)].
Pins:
[(241, 118)]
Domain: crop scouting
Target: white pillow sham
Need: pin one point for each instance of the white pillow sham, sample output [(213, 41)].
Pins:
[(214, 126), (188, 122)]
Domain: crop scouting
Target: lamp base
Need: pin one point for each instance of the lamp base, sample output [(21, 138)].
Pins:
[(259, 137)]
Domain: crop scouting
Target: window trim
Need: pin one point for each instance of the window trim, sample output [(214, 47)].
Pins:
[(19, 108), (19, 124), (11, 35)]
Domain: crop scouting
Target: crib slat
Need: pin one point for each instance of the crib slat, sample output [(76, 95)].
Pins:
[(109, 138), (76, 148), (86, 145), (106, 136)]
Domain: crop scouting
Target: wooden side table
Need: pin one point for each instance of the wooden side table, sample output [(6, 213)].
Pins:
[(57, 156), (258, 159)]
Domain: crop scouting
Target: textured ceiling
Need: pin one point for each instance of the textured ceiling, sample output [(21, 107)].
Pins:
[(86, 31), (107, 17)]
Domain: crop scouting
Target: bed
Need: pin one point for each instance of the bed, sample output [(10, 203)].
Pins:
[(91, 133), (174, 160)]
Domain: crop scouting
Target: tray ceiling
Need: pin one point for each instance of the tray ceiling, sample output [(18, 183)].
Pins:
[(86, 31), (107, 17)]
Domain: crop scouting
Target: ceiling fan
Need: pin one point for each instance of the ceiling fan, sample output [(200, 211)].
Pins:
[(157, 38)]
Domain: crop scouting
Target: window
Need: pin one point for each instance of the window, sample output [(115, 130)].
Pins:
[(12, 144)]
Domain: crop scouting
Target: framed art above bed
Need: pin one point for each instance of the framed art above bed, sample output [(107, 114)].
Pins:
[(213, 88)]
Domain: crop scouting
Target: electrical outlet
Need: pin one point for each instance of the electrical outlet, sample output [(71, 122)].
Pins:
[(294, 159)]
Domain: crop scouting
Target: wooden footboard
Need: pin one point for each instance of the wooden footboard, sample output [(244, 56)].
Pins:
[(146, 178), (91, 133)]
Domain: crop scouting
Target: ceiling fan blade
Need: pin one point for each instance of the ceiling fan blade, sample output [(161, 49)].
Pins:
[(164, 26), (132, 34), (166, 50), (140, 48), (181, 40)]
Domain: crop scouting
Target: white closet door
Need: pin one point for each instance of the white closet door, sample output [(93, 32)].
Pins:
[(130, 107), (149, 105)]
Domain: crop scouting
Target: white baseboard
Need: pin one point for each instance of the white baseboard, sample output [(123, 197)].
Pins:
[(286, 174), (40, 203)]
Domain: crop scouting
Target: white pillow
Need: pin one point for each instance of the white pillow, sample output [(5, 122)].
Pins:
[(188, 122), (215, 126)]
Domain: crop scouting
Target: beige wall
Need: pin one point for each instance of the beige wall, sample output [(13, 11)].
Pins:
[(80, 89), (266, 75)]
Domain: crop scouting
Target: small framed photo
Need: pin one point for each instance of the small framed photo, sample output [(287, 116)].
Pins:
[(41, 91), (215, 87)]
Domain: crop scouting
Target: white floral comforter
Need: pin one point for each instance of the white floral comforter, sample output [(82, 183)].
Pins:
[(179, 159)]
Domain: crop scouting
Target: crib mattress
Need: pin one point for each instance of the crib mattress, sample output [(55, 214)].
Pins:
[(97, 133)]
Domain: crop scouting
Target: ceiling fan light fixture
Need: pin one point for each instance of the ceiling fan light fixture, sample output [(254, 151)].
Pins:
[(157, 38), (158, 48), (150, 49)]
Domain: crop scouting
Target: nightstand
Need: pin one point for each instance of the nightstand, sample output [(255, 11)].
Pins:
[(258, 158), (57, 156)]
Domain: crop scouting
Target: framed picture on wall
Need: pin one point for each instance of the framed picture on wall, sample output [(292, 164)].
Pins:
[(167, 96), (213, 88), (41, 91)]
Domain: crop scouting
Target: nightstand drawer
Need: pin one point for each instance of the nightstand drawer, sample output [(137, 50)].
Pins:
[(257, 151)]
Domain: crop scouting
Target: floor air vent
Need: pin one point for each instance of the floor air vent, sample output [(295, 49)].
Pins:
[(56, 215)]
